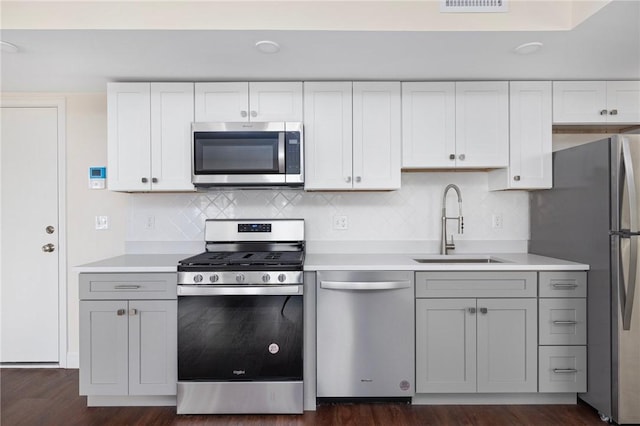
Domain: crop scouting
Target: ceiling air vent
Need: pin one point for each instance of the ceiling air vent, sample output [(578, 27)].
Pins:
[(473, 6)]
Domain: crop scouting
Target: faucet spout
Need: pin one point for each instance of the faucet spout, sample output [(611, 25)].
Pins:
[(445, 246)]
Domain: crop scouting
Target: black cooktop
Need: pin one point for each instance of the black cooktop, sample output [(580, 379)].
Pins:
[(232, 260)]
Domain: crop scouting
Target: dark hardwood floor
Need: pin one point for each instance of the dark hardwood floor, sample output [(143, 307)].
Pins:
[(50, 397)]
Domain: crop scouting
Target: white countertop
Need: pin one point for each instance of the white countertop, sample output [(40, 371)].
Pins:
[(135, 263), (508, 262), (337, 262)]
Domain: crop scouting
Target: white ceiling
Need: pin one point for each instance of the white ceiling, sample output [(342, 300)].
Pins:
[(605, 46)]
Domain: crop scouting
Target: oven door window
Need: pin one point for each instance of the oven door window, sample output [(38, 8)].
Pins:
[(239, 153), (240, 338)]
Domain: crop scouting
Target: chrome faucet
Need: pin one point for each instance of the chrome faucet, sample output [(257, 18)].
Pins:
[(445, 245)]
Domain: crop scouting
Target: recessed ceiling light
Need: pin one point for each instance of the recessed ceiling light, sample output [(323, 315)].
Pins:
[(528, 48), (7, 47), (267, 46)]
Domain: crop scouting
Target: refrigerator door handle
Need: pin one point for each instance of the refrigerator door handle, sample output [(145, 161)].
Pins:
[(627, 295)]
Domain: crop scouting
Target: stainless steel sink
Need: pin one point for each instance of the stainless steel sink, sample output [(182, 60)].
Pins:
[(455, 259)]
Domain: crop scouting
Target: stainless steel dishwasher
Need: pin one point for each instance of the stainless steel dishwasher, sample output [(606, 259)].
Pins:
[(365, 334)]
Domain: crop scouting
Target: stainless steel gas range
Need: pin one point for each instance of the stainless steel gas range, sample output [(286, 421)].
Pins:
[(240, 319)]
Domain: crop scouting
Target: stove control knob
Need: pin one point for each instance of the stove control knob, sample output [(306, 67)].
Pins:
[(240, 278), (197, 278), (266, 278), (214, 278), (282, 278)]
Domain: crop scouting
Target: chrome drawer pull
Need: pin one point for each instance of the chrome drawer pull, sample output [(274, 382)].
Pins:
[(565, 370), (564, 285), (127, 287), (565, 322)]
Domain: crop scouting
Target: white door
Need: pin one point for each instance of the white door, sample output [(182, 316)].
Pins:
[(576, 102), (29, 281), (222, 101), (274, 101), (623, 101)]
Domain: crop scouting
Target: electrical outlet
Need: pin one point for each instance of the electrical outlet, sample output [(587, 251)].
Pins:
[(102, 223), (340, 223), (496, 221), (150, 222)]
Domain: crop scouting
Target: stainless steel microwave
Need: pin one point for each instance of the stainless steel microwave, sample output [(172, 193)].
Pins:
[(247, 154)]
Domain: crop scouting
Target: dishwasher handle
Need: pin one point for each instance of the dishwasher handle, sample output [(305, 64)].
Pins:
[(364, 285)]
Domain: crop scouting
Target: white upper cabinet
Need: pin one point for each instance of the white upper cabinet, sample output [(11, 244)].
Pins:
[(352, 135), (482, 124), (530, 138), (149, 142), (428, 125), (596, 102), (328, 135), (242, 101), (455, 125)]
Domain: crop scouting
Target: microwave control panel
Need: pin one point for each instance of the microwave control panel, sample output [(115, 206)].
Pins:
[(293, 156)]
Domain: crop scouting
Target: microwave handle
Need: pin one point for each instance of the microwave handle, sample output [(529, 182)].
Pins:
[(281, 137)]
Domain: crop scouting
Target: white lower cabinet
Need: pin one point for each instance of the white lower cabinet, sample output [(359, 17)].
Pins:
[(474, 344), (128, 347)]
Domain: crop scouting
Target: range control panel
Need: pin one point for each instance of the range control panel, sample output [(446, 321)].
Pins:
[(254, 227)]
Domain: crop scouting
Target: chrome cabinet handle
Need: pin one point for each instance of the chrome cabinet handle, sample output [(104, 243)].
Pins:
[(565, 322), (603, 112), (516, 178), (254, 113), (564, 285), (613, 112), (50, 229), (144, 180), (154, 180), (471, 310), (48, 248), (358, 179), (452, 156), (243, 113), (483, 310), (347, 179), (461, 157), (127, 287), (133, 312), (121, 312), (564, 370)]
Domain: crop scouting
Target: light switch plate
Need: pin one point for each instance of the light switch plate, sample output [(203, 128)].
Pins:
[(102, 223)]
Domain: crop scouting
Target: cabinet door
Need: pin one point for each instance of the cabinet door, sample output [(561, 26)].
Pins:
[(576, 102), (428, 125), (529, 138), (153, 347), (222, 101), (275, 101), (129, 136), (171, 117), (482, 124), (376, 135), (445, 345), (623, 102), (328, 135), (507, 345), (103, 347)]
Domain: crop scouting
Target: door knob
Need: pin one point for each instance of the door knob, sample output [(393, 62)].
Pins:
[(243, 113), (48, 248), (254, 114), (50, 229)]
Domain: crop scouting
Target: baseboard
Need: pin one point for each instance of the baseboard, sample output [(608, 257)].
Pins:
[(495, 398), (73, 360)]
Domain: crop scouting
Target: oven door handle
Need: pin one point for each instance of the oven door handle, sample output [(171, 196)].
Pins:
[(206, 290), (364, 286)]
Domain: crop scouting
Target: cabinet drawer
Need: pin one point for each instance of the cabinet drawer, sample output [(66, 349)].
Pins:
[(562, 369), (476, 284), (128, 286), (563, 284), (562, 322)]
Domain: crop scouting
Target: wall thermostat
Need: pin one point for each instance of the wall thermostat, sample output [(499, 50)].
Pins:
[(97, 177)]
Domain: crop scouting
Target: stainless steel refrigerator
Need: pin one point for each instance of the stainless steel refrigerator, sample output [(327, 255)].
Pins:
[(592, 216)]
